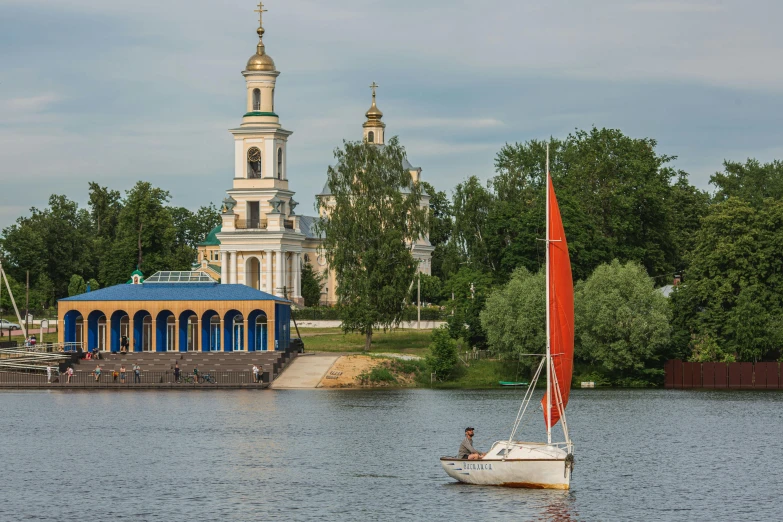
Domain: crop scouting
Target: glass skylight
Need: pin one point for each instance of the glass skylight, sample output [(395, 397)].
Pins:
[(179, 277)]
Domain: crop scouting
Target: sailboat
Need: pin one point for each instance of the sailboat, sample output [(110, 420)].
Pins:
[(537, 464)]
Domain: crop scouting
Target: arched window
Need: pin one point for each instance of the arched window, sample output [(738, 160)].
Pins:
[(371, 137), (254, 162), (256, 99), (280, 163)]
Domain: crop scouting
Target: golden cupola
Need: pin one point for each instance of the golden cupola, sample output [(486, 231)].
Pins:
[(374, 114), (260, 61), (373, 127)]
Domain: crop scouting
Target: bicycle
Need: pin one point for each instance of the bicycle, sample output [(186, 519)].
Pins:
[(186, 379), (208, 378)]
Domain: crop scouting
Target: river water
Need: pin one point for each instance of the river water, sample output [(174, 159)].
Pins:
[(373, 455)]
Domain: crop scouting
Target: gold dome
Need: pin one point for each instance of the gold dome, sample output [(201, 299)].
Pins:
[(374, 115), (261, 62)]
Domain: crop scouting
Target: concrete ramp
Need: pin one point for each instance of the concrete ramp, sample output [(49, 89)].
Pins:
[(305, 372)]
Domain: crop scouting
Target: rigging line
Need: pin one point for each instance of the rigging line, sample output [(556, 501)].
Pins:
[(525, 403)]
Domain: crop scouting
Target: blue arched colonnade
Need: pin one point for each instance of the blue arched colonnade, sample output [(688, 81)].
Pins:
[(176, 317)]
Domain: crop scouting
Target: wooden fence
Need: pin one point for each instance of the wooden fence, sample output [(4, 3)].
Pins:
[(740, 376)]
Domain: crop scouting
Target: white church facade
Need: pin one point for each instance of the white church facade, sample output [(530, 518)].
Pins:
[(262, 242)]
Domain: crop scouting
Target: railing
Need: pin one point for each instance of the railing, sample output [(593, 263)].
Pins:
[(108, 379), (251, 224), (52, 347)]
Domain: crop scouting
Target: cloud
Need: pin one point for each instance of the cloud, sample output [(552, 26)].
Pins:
[(28, 104), (675, 7), (413, 122), (118, 92)]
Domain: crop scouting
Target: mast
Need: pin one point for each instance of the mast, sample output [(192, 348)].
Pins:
[(548, 319)]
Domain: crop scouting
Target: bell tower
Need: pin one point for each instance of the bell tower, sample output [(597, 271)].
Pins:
[(260, 141), (374, 127)]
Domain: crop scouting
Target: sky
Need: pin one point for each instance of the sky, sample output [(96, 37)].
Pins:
[(117, 92)]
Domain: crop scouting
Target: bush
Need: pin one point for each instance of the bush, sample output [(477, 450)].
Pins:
[(443, 353), (377, 375)]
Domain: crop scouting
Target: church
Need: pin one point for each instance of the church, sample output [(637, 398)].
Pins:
[(262, 242)]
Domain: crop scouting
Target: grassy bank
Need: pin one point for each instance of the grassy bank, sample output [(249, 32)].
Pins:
[(412, 342)]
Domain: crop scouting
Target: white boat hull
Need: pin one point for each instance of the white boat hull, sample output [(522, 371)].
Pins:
[(537, 466)]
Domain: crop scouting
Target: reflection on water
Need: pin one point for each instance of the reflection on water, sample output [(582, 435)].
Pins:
[(373, 455)]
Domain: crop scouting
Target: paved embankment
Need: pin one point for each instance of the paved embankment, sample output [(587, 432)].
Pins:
[(405, 325), (305, 372)]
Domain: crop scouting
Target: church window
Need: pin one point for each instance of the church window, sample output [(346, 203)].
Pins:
[(371, 137), (280, 163), (256, 100), (254, 162)]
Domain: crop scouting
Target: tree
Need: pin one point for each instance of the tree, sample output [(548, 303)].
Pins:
[(613, 192), (444, 258), (56, 242), (370, 219), (471, 207), (752, 182), (442, 358), (146, 237), (105, 207), (312, 285), (431, 289), (621, 320), (77, 286), (470, 289), (733, 290), (514, 317), (687, 207)]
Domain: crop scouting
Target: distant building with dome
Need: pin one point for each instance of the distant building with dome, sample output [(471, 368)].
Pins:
[(261, 241)]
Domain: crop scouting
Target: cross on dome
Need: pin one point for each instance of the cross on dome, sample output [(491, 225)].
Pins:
[(261, 12)]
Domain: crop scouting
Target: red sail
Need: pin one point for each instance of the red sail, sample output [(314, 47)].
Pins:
[(561, 310)]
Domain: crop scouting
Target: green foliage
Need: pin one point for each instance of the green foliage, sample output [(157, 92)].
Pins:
[(146, 237), (732, 291), (622, 321), (613, 192), (55, 241), (104, 244), (77, 286), (442, 357), (515, 316), (93, 284), (439, 224), (412, 366), (312, 285), (706, 349), (431, 289), (379, 374), (373, 211), (751, 182), (470, 289)]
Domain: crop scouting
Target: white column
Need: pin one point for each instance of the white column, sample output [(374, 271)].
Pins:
[(298, 275), (233, 261), (278, 283), (224, 268), (268, 288)]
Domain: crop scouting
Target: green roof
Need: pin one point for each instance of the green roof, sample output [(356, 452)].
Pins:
[(212, 239)]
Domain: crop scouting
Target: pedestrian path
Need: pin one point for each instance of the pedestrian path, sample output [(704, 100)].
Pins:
[(305, 372)]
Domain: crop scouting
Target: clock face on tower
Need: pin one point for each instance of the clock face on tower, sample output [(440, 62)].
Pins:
[(254, 154)]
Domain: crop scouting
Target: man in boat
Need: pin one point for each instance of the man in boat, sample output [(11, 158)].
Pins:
[(466, 449)]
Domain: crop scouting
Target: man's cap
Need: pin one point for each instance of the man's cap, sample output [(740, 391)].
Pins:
[(468, 429)]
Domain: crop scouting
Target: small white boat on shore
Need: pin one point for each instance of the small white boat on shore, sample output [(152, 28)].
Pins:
[(543, 465)]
